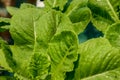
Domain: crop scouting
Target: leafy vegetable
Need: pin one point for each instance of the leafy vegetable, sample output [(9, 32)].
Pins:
[(104, 13), (112, 35), (29, 52), (80, 17), (46, 41), (63, 52), (98, 63), (57, 4), (4, 24)]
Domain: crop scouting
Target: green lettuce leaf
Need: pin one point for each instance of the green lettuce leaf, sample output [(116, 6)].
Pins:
[(6, 20), (32, 29), (79, 14), (109, 75), (3, 61), (24, 24), (98, 61), (104, 13), (57, 4), (113, 35), (27, 5), (77, 11), (30, 44), (4, 24), (63, 52), (12, 10), (80, 18), (75, 4), (46, 44)]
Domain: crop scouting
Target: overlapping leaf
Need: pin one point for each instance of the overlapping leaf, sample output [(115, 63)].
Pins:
[(113, 35), (31, 33), (27, 46), (104, 13), (75, 4), (80, 18), (57, 4), (79, 14), (98, 60), (63, 52), (3, 61), (46, 46)]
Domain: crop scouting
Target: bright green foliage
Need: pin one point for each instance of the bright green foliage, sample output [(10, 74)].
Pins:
[(80, 17), (79, 14), (46, 44), (75, 4), (3, 61), (63, 52), (29, 57), (26, 5), (98, 60), (76, 10), (6, 20), (12, 10), (105, 12), (113, 35), (57, 4), (4, 24)]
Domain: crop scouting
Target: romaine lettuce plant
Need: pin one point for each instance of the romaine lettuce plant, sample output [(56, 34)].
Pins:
[(46, 44)]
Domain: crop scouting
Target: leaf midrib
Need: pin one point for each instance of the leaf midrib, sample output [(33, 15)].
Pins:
[(113, 11), (98, 74), (61, 63), (54, 4)]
